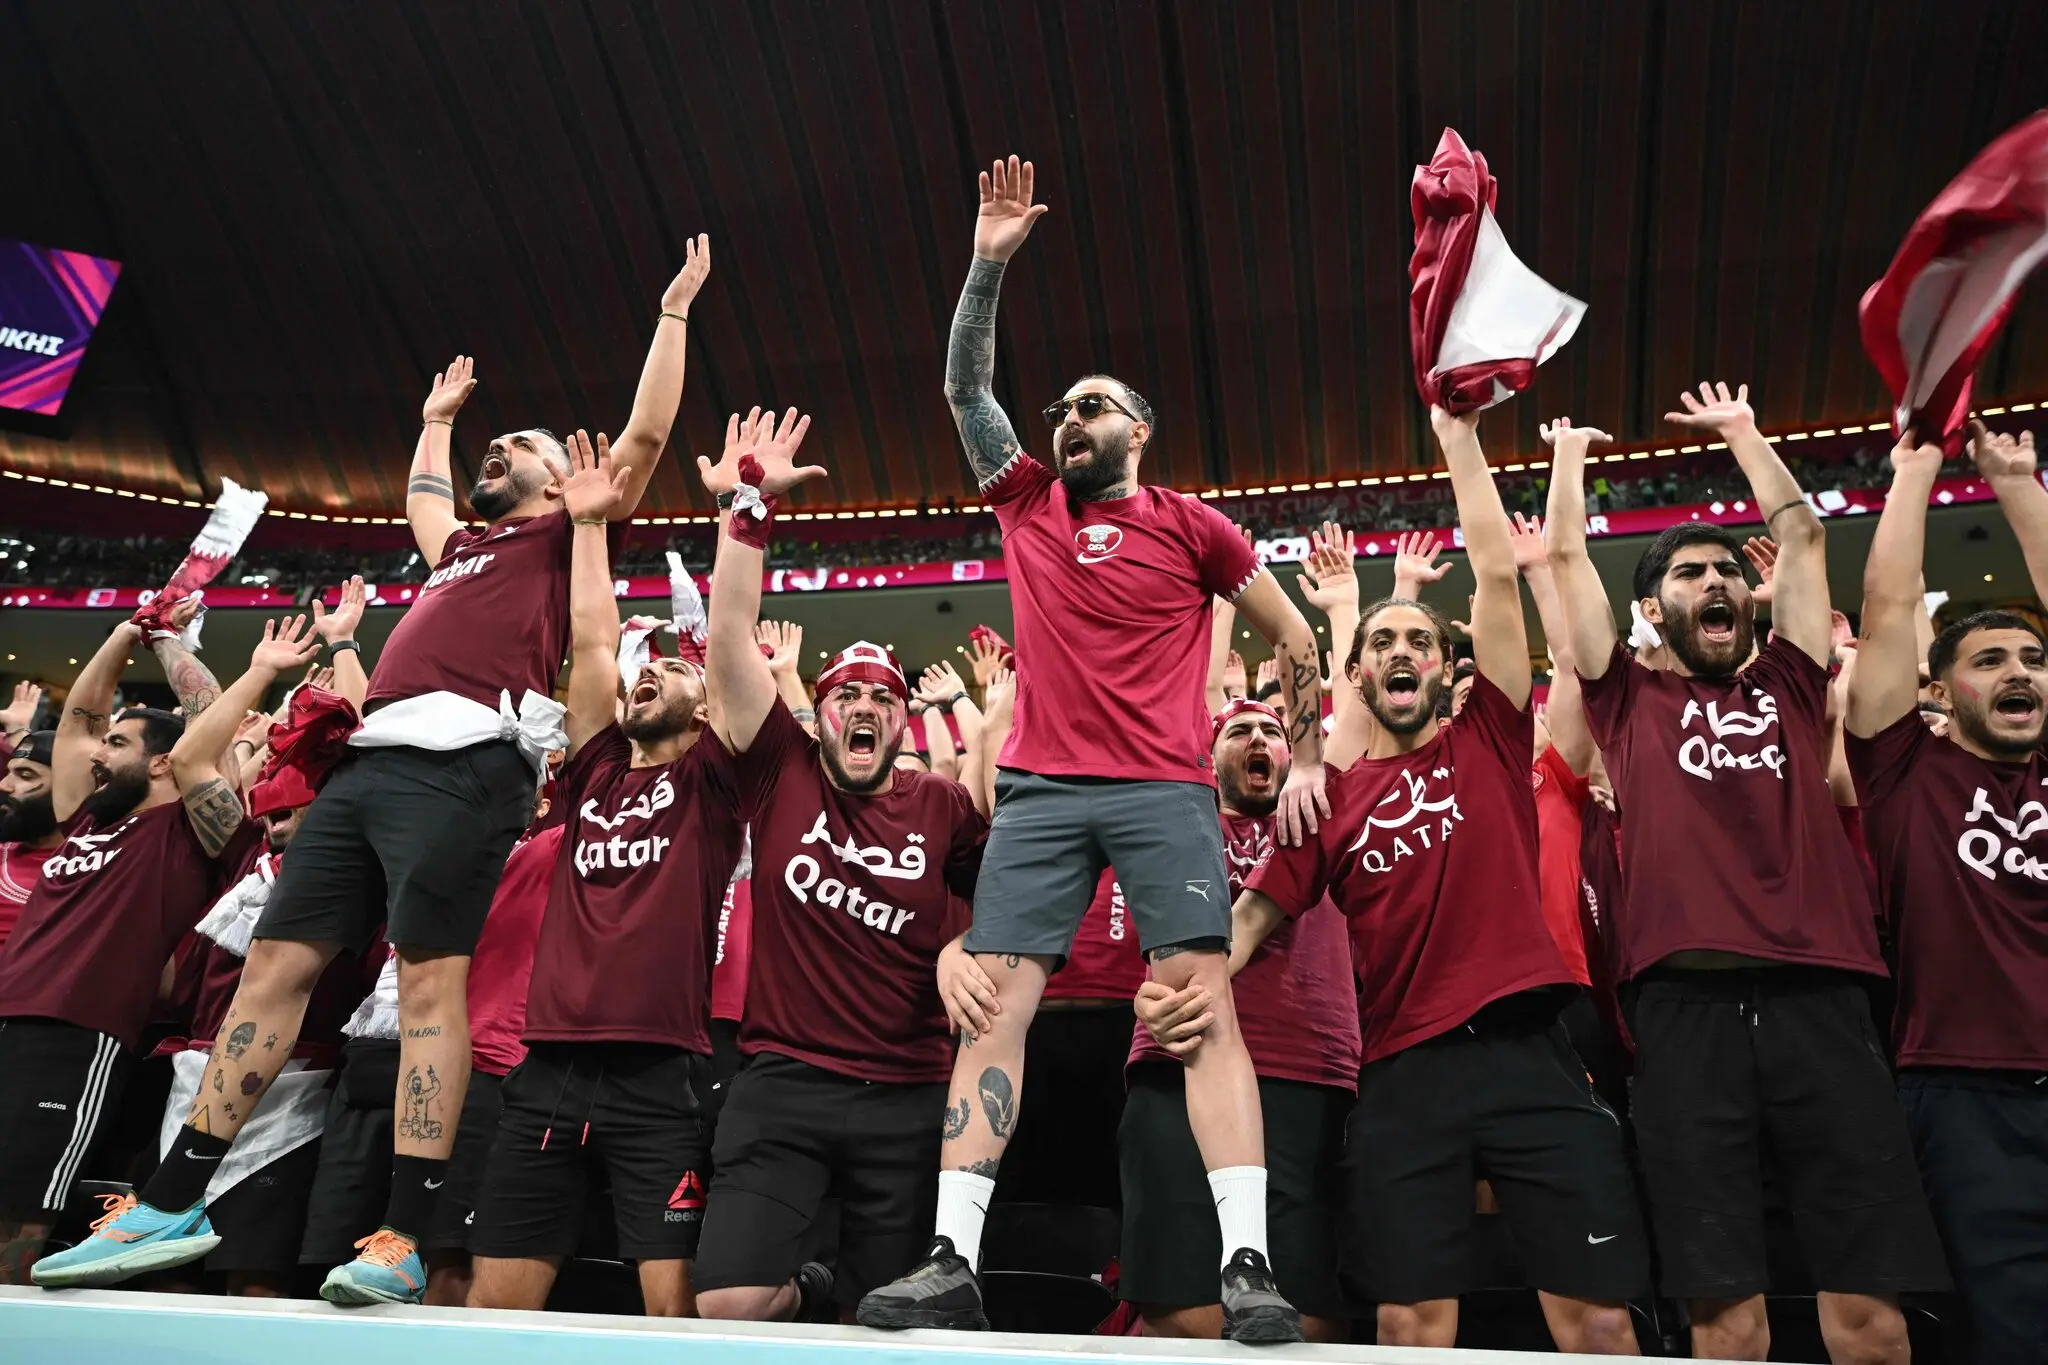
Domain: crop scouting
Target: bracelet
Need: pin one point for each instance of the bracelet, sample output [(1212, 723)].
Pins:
[(956, 699), (805, 715), (724, 501), (250, 742), (439, 422), (1796, 502), (590, 521), (679, 317), (335, 647)]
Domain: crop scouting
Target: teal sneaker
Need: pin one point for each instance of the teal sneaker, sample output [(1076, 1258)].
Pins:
[(387, 1270), (127, 1240)]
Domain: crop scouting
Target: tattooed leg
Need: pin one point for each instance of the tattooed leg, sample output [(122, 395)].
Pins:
[(988, 1080), (269, 1006), (433, 1051)]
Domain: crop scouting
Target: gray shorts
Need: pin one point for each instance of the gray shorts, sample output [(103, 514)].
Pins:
[(1051, 838)]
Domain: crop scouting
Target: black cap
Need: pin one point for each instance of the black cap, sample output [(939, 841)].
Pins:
[(36, 746)]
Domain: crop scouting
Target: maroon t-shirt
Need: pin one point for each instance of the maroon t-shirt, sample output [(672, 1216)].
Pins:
[(493, 616), (1113, 607), (1432, 858), (501, 969), (1733, 840), (1961, 847), (20, 867), (90, 946), (854, 896), (1104, 962), (1297, 1003), (632, 924)]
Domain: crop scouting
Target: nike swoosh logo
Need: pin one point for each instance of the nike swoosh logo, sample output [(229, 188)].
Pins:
[(1593, 1241), (435, 1184), (1092, 559), (196, 1157)]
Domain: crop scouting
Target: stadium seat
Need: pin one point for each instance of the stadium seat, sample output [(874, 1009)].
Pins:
[(1027, 1301), (1051, 1239)]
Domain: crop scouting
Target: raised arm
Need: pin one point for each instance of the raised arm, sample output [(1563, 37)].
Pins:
[(1222, 658), (213, 806), (430, 491), (1000, 694), (191, 680), (337, 630), (2008, 463), (737, 680), (1588, 620), (1800, 611), (1005, 220), (945, 694), (786, 638), (1272, 613), (1500, 637), (597, 484), (645, 435), (1564, 711), (87, 709), (1886, 683), (1330, 583)]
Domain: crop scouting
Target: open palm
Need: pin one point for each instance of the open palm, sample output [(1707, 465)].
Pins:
[(1715, 409), (1007, 212), (774, 446), (598, 483)]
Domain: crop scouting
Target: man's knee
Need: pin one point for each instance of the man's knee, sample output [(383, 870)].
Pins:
[(1432, 1323), (1205, 962), (741, 1303), (429, 980), (1863, 1330), (1607, 1329), (1731, 1329), (510, 1283), (282, 968)]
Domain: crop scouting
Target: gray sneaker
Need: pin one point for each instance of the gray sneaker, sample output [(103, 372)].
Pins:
[(942, 1291), (1253, 1311)]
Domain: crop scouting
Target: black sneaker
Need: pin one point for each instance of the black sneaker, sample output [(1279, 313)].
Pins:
[(943, 1291), (814, 1293), (1253, 1311)]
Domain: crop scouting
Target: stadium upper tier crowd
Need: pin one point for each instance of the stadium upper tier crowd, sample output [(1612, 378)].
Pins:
[(456, 965), (36, 557)]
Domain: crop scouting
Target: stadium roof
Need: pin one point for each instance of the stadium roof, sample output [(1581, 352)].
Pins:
[(318, 204)]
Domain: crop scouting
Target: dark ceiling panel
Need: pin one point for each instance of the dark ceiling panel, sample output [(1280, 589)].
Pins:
[(319, 205)]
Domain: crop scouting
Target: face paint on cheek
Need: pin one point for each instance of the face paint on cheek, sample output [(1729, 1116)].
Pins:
[(834, 720)]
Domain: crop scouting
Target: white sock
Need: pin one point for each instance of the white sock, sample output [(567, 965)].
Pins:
[(963, 1204), (1240, 1193)]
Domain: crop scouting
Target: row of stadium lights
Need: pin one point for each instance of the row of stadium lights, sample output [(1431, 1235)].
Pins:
[(963, 509)]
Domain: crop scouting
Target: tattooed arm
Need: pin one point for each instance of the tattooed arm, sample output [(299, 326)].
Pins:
[(212, 804), (83, 723), (1271, 612), (430, 490), (1005, 220), (192, 680)]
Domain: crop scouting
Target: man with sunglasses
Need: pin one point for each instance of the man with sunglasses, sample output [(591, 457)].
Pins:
[(1108, 763)]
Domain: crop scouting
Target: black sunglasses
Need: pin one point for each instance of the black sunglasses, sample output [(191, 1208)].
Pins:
[(1089, 405)]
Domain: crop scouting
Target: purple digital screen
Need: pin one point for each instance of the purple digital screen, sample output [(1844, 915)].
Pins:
[(50, 303)]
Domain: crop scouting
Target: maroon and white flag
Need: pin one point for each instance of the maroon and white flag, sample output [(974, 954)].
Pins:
[(235, 513), (1479, 321), (1939, 307)]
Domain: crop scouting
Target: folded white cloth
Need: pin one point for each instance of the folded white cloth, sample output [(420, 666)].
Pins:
[(442, 721)]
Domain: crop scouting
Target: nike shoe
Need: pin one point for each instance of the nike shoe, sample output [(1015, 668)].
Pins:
[(942, 1291), (387, 1269), (1253, 1311), (127, 1240)]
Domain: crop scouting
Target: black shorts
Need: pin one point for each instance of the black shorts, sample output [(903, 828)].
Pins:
[(1505, 1099), (407, 838), (261, 1220), (1784, 1062), (1052, 837), (719, 1068), (1172, 1246), (631, 1108), (794, 1134), (1064, 1150), (60, 1086), (1982, 1142)]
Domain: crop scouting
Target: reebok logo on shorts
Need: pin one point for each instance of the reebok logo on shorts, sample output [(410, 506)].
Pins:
[(686, 1205)]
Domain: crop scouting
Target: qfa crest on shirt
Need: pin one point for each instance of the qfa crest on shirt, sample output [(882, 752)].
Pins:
[(1093, 544)]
